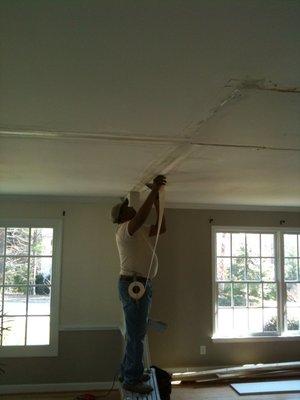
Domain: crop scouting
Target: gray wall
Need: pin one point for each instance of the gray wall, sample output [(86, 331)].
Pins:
[(182, 294), (84, 356), (88, 299)]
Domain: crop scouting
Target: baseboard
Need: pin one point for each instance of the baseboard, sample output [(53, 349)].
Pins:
[(56, 387)]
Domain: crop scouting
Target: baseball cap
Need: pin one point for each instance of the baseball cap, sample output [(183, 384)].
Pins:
[(115, 211)]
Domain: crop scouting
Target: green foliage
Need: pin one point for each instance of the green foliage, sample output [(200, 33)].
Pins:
[(255, 294), (290, 269), (224, 299), (40, 279), (238, 269), (239, 294), (270, 292), (271, 325), (293, 325)]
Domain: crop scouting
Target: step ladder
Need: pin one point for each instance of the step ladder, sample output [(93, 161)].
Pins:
[(154, 395)]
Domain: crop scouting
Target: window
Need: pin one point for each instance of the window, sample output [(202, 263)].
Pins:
[(29, 287), (256, 282)]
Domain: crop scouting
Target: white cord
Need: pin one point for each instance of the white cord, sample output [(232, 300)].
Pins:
[(136, 289), (161, 195)]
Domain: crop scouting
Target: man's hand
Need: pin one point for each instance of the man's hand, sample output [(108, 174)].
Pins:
[(140, 217), (158, 182)]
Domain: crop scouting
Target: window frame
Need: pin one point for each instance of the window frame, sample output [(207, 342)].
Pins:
[(278, 232), (52, 348)]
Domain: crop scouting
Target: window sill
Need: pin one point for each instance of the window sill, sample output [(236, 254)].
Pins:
[(287, 338)]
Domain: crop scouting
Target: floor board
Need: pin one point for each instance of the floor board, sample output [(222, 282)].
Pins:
[(178, 393), (224, 393), (114, 395)]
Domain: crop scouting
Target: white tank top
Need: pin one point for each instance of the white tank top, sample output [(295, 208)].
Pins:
[(135, 251)]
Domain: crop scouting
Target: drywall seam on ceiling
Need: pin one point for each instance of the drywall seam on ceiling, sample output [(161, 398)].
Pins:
[(163, 165), (236, 94), (246, 146), (240, 86), (81, 136), (261, 84), (115, 137)]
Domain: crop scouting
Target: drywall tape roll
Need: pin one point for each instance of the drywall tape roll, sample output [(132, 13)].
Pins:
[(136, 290)]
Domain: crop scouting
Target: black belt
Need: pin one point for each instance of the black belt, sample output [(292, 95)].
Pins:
[(131, 278)]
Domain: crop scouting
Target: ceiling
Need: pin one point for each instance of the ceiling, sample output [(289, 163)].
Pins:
[(97, 97)]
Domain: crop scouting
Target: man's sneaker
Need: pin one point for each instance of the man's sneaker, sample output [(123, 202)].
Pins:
[(140, 387), (144, 378)]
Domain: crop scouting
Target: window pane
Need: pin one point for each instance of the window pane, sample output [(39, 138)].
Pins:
[(239, 294), (17, 241), (223, 244), (270, 294), (290, 269), (16, 271), (248, 301), (267, 245), (255, 294), (270, 319), (1, 269), (41, 241), (293, 294), (38, 330), (15, 335), (290, 245), (223, 269), (268, 269), (240, 321), (225, 321), (253, 269), (2, 240), (39, 300), (238, 269), (293, 319), (1, 290), (238, 244), (224, 294), (253, 246), (255, 320), (15, 300), (40, 270)]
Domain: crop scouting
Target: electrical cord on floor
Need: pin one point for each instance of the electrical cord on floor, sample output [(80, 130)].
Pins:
[(88, 396)]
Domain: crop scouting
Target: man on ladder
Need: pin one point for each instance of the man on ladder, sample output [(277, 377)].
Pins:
[(136, 255)]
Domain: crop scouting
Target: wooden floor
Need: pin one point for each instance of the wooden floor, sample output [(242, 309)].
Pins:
[(223, 393), (114, 395), (178, 393)]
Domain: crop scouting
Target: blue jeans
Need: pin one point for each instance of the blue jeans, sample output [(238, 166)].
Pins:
[(136, 320)]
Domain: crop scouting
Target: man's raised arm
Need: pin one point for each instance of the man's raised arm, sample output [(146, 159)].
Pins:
[(153, 228), (138, 220)]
